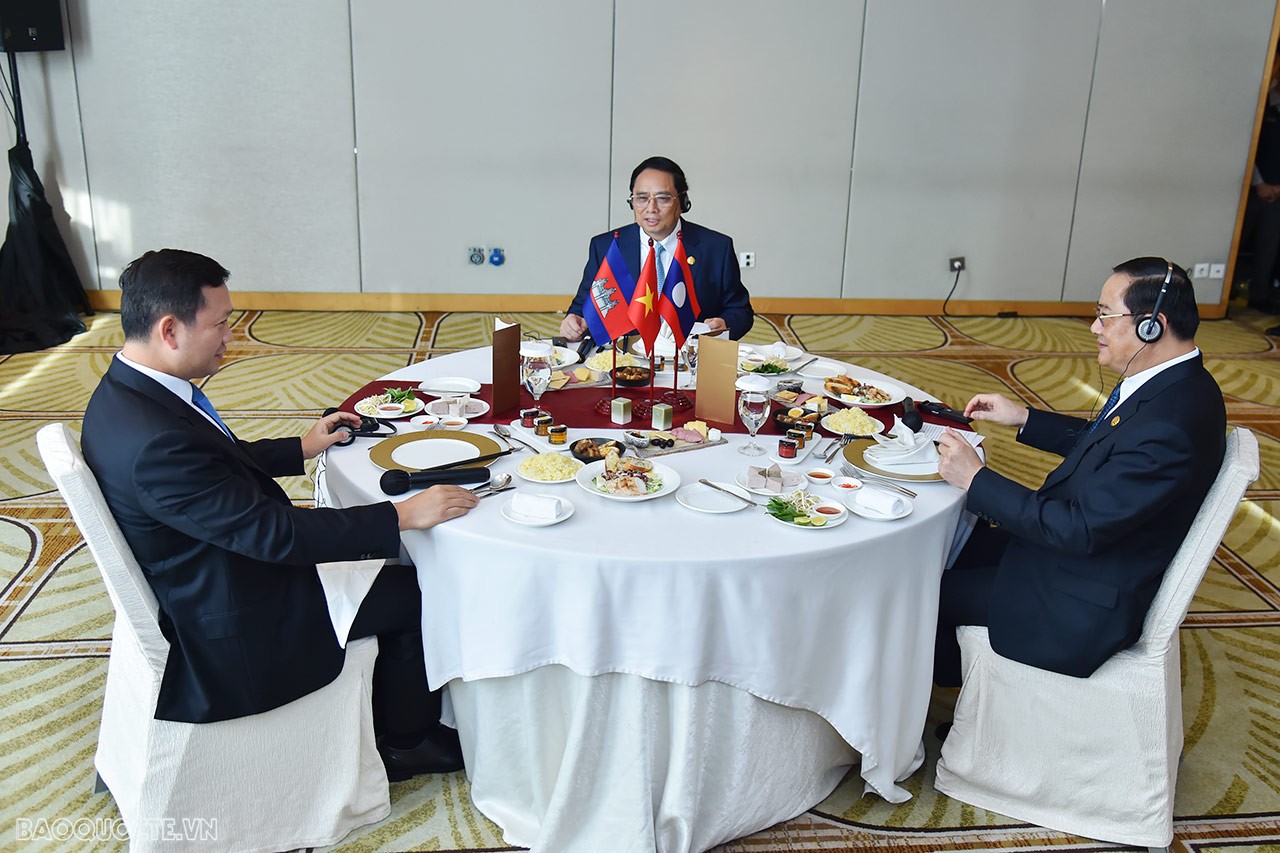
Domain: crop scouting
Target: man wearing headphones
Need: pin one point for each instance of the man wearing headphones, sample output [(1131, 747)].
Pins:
[(1063, 575), (659, 195)]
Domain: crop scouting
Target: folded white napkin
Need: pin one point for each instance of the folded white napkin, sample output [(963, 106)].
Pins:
[(778, 349), (345, 585), (904, 447), (536, 506), (880, 501)]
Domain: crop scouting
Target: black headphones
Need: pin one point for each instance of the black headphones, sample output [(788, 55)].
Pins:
[(1151, 329), (368, 428)]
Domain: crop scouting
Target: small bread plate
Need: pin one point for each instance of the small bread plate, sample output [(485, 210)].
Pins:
[(563, 356), (698, 497), (527, 463), (370, 409), (414, 451), (874, 514), (566, 510), (896, 394), (586, 478), (918, 472), (474, 408), (821, 370), (834, 512), (792, 481), (789, 353), (449, 385), (827, 422)]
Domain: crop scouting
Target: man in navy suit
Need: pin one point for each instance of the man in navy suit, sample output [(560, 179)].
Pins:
[(229, 557), (659, 195), (1065, 574)]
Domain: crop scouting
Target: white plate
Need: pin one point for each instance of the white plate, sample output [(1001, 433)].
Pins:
[(474, 408), (565, 357), (566, 510), (524, 476), (441, 451), (867, 512), (789, 354), (449, 385), (370, 411), (832, 520), (702, 498), (896, 395), (801, 486), (929, 466), (879, 427), (822, 370), (587, 474), (801, 455)]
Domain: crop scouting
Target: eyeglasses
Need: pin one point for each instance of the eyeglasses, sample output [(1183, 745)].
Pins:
[(641, 200), (1097, 312)]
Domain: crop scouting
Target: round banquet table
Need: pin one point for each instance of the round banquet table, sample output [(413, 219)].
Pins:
[(646, 677)]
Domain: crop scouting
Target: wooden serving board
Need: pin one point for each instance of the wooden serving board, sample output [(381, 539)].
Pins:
[(678, 447)]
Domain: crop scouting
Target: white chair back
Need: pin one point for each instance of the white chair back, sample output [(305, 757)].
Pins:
[(137, 612), (1239, 469)]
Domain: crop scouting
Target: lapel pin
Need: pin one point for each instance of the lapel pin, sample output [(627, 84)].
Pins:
[(691, 259), (1115, 420)]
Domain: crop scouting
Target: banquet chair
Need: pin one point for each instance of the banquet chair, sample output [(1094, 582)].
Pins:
[(1097, 756), (301, 775)]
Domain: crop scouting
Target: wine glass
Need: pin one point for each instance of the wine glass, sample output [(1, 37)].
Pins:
[(753, 408), (535, 367), (691, 358)]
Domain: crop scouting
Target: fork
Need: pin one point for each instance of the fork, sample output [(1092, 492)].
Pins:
[(840, 442)]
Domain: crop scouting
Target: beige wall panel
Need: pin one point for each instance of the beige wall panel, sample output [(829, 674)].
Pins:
[(483, 123), (48, 84), (224, 128), (1170, 125), (970, 122), (755, 100)]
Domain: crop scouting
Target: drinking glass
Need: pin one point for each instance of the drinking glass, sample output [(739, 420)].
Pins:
[(535, 368), (753, 408)]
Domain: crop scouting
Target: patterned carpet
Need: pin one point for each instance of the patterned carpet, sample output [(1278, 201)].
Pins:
[(284, 367)]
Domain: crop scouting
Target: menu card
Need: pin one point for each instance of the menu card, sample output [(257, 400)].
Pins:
[(717, 372), (506, 368)]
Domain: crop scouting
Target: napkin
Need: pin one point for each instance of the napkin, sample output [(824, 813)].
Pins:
[(777, 349), (345, 585), (881, 502), (905, 447), (536, 506)]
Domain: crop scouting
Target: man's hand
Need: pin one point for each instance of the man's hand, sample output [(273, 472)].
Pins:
[(436, 504), (572, 327), (958, 462), (324, 433), (997, 409), (717, 325), (1268, 192)]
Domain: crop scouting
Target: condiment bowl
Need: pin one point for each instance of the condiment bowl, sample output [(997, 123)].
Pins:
[(424, 421), (820, 476), (453, 423), (846, 485)]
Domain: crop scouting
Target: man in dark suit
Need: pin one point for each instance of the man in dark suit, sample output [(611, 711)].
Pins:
[(1065, 578), (231, 560), (659, 195)]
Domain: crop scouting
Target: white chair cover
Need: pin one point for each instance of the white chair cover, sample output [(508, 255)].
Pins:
[(302, 775), (1096, 756)]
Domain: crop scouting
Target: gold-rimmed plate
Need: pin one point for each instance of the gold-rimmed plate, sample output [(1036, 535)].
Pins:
[(414, 451), (853, 454)]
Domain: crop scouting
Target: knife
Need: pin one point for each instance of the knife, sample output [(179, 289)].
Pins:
[(460, 462), (704, 481)]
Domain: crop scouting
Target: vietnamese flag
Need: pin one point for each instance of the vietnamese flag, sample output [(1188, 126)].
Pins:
[(606, 314), (643, 308), (678, 302)]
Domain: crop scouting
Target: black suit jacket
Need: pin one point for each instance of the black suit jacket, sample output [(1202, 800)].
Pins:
[(230, 559), (717, 279), (1088, 549)]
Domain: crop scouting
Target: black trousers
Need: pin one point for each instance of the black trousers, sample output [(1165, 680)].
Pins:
[(965, 598), (1261, 233), (404, 709)]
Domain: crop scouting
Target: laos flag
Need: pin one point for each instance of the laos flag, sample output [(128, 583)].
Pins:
[(606, 308), (678, 303)]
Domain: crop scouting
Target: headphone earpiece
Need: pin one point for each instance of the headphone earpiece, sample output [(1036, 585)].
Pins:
[(685, 204), (1150, 329)]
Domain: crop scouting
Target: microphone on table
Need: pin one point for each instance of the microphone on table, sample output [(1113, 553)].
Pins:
[(911, 417), (396, 482)]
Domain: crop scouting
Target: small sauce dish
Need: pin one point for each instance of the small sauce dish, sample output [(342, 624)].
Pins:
[(453, 423), (846, 485), (390, 410), (424, 421), (820, 476)]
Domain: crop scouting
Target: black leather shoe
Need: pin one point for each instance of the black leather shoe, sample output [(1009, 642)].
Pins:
[(439, 752)]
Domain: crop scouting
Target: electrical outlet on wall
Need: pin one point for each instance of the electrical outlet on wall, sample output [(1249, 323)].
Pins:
[(1218, 271), (746, 259), (1200, 271)]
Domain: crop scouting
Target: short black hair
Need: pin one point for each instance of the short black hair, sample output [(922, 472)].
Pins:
[(662, 164), (1146, 277), (164, 282)]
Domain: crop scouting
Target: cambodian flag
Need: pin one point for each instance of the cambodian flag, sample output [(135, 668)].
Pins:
[(678, 302), (644, 303), (606, 315)]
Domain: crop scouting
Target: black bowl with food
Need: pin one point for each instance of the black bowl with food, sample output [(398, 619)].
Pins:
[(633, 376), (785, 418), (593, 449)]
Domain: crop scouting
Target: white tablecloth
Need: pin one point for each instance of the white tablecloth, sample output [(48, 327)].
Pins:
[(837, 621)]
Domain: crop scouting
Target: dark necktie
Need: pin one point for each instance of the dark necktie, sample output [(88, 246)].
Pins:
[(1106, 409), (202, 403)]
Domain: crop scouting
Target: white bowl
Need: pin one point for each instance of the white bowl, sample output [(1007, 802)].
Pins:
[(450, 422), (424, 421), (820, 476), (846, 485), (390, 410)]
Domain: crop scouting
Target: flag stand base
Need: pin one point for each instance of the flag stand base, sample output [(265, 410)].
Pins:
[(678, 399), (642, 408), (605, 407)]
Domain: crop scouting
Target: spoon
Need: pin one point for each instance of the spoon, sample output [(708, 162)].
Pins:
[(497, 483), (504, 432)]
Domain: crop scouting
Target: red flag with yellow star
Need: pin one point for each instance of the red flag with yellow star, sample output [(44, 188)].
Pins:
[(643, 309)]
